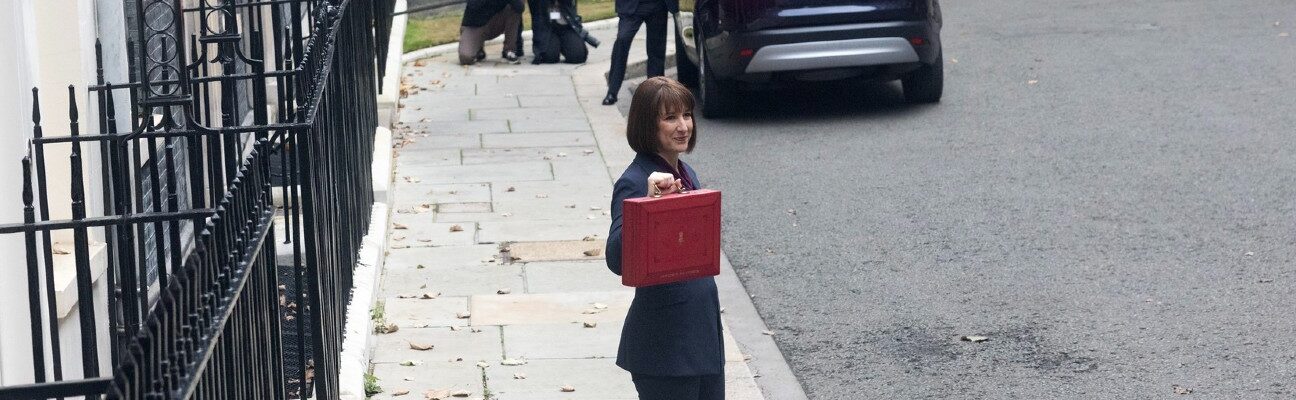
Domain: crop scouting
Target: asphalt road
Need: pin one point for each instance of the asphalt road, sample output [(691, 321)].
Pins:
[(1124, 225)]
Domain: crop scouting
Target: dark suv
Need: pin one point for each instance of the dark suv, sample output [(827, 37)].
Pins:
[(725, 45)]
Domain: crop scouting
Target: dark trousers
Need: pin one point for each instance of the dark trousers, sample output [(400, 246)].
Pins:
[(626, 30), (704, 387), (556, 40), (473, 38)]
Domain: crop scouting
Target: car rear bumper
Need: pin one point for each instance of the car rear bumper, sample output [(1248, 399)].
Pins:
[(832, 54), (820, 47)]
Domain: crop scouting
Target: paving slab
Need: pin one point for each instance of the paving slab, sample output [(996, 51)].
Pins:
[(547, 100), (455, 127), (449, 256), (415, 313), (538, 231), (430, 113), (520, 171), (593, 379), (432, 156), (420, 231), (475, 207), (570, 340), (558, 124), (549, 308), (565, 251), (581, 169), (432, 375), (417, 142), (437, 193), (534, 113), (571, 276), (447, 346), (453, 281), (510, 154), (551, 138), (460, 101)]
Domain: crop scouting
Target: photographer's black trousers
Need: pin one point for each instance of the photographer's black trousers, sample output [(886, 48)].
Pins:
[(550, 41)]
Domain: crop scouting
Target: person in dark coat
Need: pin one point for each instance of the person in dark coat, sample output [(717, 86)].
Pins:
[(488, 19), (556, 31), (631, 14), (671, 343)]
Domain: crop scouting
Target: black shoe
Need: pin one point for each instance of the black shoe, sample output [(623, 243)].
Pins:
[(481, 55), (512, 57), (610, 99)]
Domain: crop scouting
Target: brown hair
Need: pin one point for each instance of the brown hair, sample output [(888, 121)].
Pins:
[(652, 98)]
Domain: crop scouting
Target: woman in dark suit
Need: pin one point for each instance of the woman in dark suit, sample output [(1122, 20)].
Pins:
[(671, 343)]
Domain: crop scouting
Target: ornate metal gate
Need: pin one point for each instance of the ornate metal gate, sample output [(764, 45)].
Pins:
[(232, 102)]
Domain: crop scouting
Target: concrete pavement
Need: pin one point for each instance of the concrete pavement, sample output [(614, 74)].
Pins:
[(495, 281)]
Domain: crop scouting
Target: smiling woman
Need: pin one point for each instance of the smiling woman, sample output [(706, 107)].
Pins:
[(671, 342)]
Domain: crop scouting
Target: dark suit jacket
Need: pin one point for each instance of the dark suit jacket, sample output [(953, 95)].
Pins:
[(628, 7), (672, 329)]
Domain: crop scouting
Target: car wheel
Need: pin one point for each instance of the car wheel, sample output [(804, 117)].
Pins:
[(685, 69), (717, 100), (926, 84)]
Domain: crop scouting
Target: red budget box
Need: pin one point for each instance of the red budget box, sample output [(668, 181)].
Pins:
[(672, 238)]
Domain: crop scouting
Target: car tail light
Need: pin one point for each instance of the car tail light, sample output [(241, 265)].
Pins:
[(744, 53), (917, 41)]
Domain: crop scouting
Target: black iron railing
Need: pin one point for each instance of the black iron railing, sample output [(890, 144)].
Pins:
[(199, 304)]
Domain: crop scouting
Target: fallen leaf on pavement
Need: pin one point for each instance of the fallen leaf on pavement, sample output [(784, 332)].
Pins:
[(1032, 81), (510, 189), (463, 315), (590, 324), (567, 388), (482, 364), (519, 375), (600, 306), (420, 347), (974, 339), (593, 252), (430, 295), (436, 394), (1182, 390), (768, 332), (590, 238), (397, 225), (588, 151), (504, 291), (506, 215), (401, 392), (410, 363), (570, 206), (456, 228), (512, 362), (420, 63), (460, 393)]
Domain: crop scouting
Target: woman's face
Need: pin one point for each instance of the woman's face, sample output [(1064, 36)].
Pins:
[(674, 129)]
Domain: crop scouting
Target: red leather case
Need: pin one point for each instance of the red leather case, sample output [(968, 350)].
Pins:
[(671, 238)]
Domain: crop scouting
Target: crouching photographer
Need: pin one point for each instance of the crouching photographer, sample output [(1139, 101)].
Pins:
[(556, 31)]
